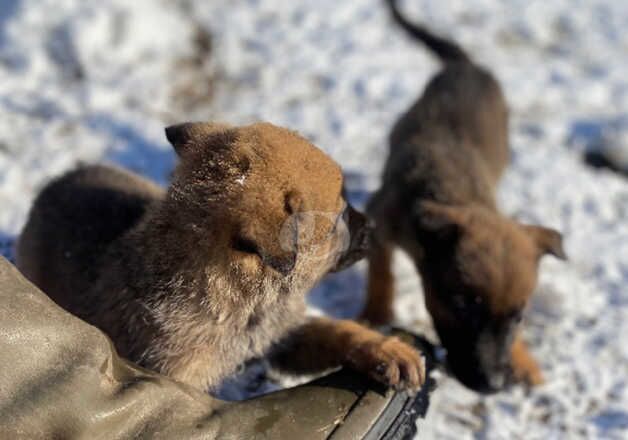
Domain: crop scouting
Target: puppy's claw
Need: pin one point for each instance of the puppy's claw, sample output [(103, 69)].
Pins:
[(391, 362)]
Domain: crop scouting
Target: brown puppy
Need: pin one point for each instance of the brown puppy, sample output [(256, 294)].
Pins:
[(195, 280), (437, 203)]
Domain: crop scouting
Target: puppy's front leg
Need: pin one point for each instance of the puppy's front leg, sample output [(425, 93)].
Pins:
[(380, 292), (324, 343), (524, 366)]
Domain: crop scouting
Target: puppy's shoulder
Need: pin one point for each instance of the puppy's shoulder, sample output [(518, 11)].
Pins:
[(74, 218), (105, 178)]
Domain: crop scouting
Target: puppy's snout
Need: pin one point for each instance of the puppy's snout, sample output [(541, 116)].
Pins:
[(360, 227), (478, 379), (481, 361), (360, 230), (497, 381)]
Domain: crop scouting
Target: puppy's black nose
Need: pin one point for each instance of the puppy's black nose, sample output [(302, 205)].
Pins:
[(484, 385), (466, 369), (361, 229)]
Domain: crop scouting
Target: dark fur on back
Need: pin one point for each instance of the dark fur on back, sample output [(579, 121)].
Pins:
[(98, 204)]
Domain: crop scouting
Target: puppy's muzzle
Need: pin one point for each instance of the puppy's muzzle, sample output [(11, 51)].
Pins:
[(482, 363), (360, 231)]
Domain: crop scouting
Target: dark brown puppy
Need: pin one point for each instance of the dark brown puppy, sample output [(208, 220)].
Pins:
[(195, 280), (437, 203)]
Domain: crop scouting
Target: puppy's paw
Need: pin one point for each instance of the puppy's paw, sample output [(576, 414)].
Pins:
[(528, 373), (525, 369), (389, 361)]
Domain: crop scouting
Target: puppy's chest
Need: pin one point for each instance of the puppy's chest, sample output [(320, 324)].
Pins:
[(224, 331), (267, 323)]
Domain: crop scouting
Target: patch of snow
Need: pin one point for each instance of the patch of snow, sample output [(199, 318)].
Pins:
[(84, 81)]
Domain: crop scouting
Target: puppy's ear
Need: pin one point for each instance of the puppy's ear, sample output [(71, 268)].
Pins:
[(191, 136), (549, 241), (447, 222)]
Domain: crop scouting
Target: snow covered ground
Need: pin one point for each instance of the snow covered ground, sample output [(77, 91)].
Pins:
[(98, 80)]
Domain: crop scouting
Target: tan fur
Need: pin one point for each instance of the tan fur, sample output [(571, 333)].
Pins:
[(437, 202), (525, 367), (194, 280)]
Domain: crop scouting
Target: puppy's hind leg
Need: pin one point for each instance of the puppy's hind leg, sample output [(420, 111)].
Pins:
[(381, 286)]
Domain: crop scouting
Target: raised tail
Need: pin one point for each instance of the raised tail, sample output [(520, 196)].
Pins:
[(447, 51)]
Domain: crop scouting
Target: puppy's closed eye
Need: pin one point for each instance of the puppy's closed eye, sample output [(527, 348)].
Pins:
[(246, 245)]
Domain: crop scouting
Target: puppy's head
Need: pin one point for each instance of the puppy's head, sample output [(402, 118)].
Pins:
[(479, 271), (271, 201)]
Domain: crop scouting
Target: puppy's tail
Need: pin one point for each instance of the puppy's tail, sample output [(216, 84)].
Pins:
[(447, 51)]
